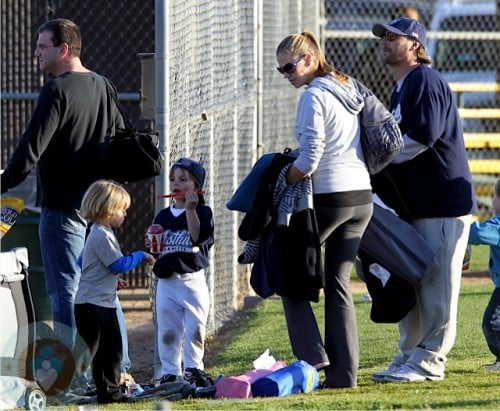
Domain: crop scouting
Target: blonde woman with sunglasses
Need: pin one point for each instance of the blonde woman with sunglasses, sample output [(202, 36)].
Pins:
[(327, 130)]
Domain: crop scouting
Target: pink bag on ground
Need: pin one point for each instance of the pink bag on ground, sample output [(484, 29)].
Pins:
[(240, 386)]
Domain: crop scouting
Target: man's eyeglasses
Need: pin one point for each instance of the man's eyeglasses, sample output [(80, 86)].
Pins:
[(390, 36), (289, 68), (43, 47)]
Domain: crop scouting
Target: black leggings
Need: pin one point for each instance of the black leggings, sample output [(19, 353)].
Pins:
[(340, 229), (98, 326)]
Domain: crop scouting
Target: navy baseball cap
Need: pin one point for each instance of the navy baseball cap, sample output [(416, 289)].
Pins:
[(402, 26), (195, 168)]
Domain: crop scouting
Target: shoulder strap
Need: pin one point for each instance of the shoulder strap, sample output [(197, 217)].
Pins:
[(112, 92), (396, 190)]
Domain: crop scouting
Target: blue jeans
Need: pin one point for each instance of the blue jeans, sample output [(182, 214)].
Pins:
[(491, 324), (62, 237)]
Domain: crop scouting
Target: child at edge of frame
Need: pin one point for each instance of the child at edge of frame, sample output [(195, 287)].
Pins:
[(182, 296), (488, 233)]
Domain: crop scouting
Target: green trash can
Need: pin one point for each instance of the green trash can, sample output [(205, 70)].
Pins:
[(24, 233)]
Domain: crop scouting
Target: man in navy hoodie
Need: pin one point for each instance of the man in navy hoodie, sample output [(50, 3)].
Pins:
[(430, 185)]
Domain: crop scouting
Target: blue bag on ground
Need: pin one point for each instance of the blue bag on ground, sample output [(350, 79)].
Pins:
[(295, 378)]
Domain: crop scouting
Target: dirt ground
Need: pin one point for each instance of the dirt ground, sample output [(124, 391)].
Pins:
[(139, 320)]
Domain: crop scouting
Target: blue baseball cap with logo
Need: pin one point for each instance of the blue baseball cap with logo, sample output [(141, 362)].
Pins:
[(402, 26), (195, 168)]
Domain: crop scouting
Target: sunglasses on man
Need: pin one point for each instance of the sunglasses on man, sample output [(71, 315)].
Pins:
[(390, 36), (289, 68)]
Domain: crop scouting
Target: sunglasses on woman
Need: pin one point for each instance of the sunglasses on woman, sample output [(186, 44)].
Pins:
[(289, 68)]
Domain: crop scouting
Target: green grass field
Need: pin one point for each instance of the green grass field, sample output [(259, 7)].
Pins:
[(467, 385), (479, 258)]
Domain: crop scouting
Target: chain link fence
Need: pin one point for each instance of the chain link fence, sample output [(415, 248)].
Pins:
[(227, 103), (463, 42)]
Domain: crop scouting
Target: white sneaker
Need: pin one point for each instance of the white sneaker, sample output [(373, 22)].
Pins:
[(493, 367), (379, 376), (408, 374), (322, 365)]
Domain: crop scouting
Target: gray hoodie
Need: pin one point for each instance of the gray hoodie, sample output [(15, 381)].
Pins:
[(348, 94), (327, 129)]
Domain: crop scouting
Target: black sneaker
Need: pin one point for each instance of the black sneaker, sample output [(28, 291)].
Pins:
[(205, 392), (91, 391), (170, 378), (198, 378)]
